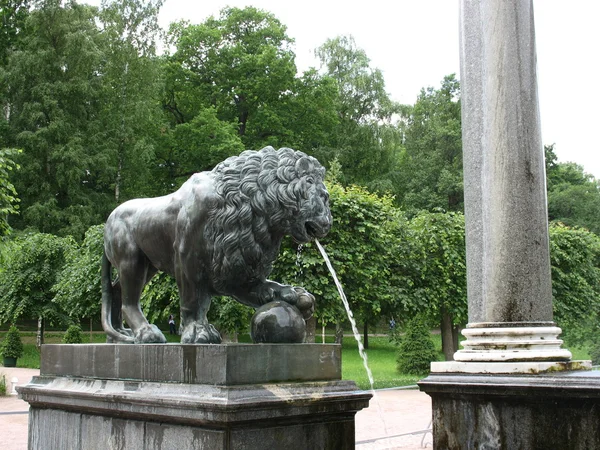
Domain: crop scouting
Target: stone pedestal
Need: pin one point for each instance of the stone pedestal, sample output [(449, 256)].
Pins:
[(173, 396), (533, 412)]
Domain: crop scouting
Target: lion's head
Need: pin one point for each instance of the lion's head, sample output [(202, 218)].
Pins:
[(264, 195)]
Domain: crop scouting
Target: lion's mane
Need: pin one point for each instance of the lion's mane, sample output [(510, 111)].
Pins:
[(258, 195)]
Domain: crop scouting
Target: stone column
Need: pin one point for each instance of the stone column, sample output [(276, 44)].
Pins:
[(492, 395), (508, 261)]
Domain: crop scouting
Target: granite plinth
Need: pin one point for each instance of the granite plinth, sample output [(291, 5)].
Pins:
[(531, 412), (84, 400), (227, 364)]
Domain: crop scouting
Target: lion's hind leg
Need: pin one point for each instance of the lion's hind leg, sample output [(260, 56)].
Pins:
[(134, 274), (194, 307)]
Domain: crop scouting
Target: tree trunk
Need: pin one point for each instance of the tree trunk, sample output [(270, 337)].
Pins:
[(455, 333), (339, 333), (91, 330), (446, 329), (311, 330), (366, 336), (323, 335), (39, 341)]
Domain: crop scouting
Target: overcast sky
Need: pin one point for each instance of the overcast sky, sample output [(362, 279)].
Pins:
[(415, 44)]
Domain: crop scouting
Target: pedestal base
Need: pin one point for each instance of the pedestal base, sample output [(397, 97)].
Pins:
[(199, 410), (505, 342), (534, 412)]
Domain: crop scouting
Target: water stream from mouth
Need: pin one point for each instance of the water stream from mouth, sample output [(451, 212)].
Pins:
[(357, 336), (361, 348)]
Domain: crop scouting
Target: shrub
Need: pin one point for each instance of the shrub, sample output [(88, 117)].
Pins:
[(12, 346), (416, 350), (73, 335), (2, 385)]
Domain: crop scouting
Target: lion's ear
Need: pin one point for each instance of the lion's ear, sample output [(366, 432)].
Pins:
[(303, 166)]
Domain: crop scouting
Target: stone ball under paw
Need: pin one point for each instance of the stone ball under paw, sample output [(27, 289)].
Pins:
[(277, 323)]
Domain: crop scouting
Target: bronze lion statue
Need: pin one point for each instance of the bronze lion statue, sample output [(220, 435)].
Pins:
[(217, 235)]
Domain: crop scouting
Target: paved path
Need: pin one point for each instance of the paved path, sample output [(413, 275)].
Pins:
[(392, 412)]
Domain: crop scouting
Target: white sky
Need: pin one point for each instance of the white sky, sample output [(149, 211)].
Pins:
[(415, 44)]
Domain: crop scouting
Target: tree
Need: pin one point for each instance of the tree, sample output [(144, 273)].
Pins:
[(13, 14), (437, 266), (78, 286), (52, 89), (26, 283), (575, 260), (365, 142), (430, 174), (8, 193), (361, 246), (129, 116), (236, 63), (573, 195)]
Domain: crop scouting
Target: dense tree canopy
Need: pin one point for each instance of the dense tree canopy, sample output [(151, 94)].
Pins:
[(430, 175), (31, 270), (575, 259), (573, 195), (365, 141)]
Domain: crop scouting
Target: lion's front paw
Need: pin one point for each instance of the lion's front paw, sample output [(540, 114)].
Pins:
[(200, 333), (149, 334), (305, 302)]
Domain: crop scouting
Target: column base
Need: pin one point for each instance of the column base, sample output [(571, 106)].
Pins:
[(526, 367), (512, 342)]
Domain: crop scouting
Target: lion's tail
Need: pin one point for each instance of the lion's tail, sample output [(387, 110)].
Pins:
[(108, 303)]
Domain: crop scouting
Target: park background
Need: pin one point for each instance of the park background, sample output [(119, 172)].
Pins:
[(102, 104)]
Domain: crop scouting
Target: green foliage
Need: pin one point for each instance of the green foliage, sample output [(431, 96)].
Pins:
[(2, 385), (77, 289), (238, 63), (8, 194), (73, 335), (361, 246), (575, 260), (32, 268), (436, 266), (82, 85), (416, 350), (230, 316), (12, 345), (160, 298), (594, 352), (573, 195), (430, 174), (365, 141)]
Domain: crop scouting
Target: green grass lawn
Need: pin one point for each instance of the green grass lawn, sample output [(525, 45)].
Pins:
[(381, 357)]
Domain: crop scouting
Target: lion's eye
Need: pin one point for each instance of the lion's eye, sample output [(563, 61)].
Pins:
[(310, 180)]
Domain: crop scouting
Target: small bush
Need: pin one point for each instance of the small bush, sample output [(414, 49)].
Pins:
[(73, 335), (594, 351), (2, 385), (12, 346), (416, 350)]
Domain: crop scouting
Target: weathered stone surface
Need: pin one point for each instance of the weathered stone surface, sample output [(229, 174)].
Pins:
[(228, 364), (519, 367), (205, 400), (536, 412), (508, 265)]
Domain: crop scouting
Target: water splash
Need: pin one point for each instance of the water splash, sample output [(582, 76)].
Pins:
[(361, 348)]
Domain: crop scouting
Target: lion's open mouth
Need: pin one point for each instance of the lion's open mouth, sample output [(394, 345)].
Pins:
[(314, 230)]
